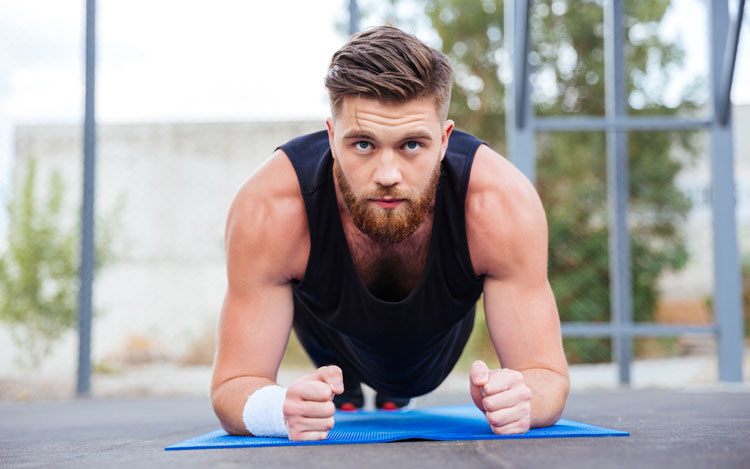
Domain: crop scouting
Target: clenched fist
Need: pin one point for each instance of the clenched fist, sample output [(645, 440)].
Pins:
[(503, 397), (308, 407)]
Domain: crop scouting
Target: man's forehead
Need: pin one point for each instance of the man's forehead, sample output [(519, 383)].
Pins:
[(372, 115)]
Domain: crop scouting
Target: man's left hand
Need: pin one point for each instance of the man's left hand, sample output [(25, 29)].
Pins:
[(503, 397)]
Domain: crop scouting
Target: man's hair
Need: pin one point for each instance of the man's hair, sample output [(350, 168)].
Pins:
[(390, 65)]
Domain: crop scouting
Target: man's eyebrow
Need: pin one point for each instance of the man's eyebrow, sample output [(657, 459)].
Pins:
[(358, 134), (417, 136)]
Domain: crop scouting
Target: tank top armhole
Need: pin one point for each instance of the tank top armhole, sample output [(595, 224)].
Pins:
[(312, 257), (465, 177)]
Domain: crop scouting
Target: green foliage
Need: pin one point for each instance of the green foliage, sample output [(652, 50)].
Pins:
[(39, 269), (567, 56)]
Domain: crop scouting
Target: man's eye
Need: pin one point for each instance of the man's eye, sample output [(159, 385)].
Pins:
[(363, 145), (412, 145)]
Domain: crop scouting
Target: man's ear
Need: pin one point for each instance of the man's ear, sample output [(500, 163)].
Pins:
[(329, 125), (447, 129)]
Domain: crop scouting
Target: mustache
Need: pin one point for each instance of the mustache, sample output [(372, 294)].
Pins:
[(387, 192)]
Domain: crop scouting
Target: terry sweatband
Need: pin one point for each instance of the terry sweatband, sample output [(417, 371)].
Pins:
[(263, 414)]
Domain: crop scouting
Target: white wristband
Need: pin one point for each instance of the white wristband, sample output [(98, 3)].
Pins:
[(263, 414)]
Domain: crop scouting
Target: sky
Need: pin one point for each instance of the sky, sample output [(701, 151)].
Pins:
[(200, 60)]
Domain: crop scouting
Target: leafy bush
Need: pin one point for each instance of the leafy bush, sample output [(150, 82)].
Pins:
[(39, 270)]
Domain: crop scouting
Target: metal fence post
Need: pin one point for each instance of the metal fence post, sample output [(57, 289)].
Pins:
[(617, 186), (87, 225), (519, 113), (727, 284), (353, 17)]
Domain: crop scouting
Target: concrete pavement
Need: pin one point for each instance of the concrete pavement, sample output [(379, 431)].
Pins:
[(668, 429)]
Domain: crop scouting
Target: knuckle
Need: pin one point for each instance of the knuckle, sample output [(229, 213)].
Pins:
[(301, 381), (522, 426), (329, 408), (320, 391), (497, 431), (527, 407), (297, 435), (293, 390), (329, 423), (330, 370), (314, 435), (494, 419), (290, 407), (293, 425), (487, 404)]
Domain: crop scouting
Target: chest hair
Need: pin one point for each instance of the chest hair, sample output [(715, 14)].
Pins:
[(390, 272)]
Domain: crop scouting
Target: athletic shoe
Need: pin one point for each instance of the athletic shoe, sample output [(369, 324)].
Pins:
[(384, 402), (351, 399)]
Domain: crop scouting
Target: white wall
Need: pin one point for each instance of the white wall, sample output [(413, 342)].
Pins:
[(177, 181)]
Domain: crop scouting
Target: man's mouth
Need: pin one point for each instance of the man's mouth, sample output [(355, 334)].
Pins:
[(388, 202)]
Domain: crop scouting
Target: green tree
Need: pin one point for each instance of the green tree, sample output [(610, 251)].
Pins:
[(567, 59), (39, 268)]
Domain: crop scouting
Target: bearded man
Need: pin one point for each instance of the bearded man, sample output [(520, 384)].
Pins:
[(374, 240)]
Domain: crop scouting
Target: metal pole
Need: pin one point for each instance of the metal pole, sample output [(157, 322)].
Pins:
[(353, 17), (519, 130), (521, 71), (727, 74), (617, 186), (87, 216), (600, 123), (727, 284)]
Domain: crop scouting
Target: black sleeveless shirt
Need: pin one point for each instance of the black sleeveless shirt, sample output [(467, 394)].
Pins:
[(404, 348)]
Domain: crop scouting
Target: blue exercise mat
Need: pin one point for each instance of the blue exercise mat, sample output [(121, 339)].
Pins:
[(450, 423)]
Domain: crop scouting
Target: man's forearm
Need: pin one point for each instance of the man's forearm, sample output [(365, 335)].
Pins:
[(229, 398), (549, 390)]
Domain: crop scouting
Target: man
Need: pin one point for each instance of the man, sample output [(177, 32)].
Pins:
[(374, 240)]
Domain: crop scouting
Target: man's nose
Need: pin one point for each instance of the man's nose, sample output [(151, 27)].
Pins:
[(387, 173)]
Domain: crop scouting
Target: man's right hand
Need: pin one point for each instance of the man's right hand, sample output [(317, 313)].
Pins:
[(308, 407)]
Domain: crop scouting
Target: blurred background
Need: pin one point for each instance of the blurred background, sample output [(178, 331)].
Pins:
[(193, 95)]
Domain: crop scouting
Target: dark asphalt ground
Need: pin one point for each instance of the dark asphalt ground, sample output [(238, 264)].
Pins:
[(668, 429)]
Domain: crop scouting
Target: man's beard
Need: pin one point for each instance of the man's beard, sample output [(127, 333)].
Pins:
[(390, 226)]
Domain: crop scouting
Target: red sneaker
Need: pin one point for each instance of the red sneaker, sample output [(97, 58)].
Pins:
[(348, 407)]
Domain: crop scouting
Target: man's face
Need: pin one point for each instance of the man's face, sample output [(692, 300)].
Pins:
[(387, 163)]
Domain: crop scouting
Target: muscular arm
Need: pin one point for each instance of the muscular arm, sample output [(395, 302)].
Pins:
[(507, 232), (266, 247)]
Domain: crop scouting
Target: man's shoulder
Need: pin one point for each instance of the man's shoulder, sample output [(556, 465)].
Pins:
[(274, 182), (494, 179), (267, 216), (502, 207)]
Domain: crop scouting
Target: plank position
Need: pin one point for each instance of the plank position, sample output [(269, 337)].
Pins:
[(374, 240)]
